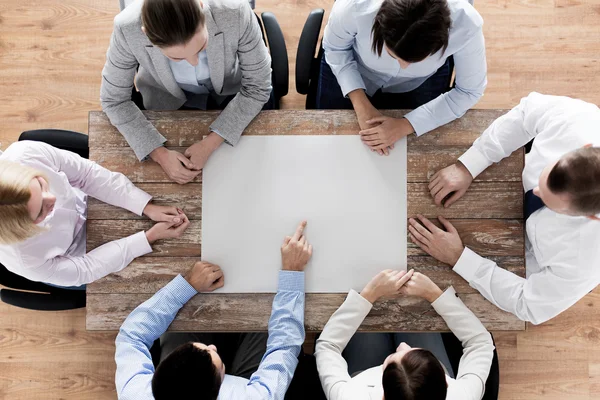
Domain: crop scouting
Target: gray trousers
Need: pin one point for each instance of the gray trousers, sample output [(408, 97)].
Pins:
[(367, 350), (240, 352)]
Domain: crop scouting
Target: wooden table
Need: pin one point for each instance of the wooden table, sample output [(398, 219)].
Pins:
[(489, 219)]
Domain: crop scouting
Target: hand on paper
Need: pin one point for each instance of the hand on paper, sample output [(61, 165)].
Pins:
[(200, 151), (384, 132), (177, 166), (444, 246), (365, 112), (421, 286), (295, 250), (205, 277), (454, 180), (164, 213), (387, 283), (168, 230)]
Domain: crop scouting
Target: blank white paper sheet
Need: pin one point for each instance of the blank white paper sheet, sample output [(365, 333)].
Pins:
[(256, 193)]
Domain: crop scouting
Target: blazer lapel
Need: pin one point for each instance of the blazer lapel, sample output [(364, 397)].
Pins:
[(163, 70), (215, 51)]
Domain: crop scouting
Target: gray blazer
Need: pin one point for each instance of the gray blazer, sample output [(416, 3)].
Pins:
[(238, 62)]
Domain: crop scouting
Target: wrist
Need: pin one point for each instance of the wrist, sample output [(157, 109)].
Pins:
[(464, 169), (407, 126), (150, 236), (214, 141), (456, 257), (147, 209), (434, 294), (369, 295), (157, 154)]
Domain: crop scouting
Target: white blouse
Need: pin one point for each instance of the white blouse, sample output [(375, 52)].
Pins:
[(58, 254)]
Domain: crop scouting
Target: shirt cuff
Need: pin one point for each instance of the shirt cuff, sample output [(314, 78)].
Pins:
[(291, 281), (139, 245), (474, 161), (362, 304), (181, 289), (446, 299), (468, 264), (421, 121), (223, 137), (138, 200)]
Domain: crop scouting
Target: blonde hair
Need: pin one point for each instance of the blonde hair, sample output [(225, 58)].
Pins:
[(16, 224)]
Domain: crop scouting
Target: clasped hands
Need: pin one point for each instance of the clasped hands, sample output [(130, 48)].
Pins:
[(390, 283), (183, 168)]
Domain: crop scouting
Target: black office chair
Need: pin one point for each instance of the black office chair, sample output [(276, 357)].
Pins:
[(454, 350), (22, 292)]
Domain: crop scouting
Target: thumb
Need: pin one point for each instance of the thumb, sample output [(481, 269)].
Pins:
[(452, 199), (184, 160), (377, 119), (449, 227)]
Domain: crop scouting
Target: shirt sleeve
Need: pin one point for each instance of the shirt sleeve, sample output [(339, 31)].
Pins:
[(286, 336), (510, 132), (75, 271), (110, 187), (142, 327), (338, 39), (333, 369), (478, 347), (538, 298), (471, 80)]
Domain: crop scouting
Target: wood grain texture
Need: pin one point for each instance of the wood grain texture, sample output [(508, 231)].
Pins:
[(229, 312), (150, 274)]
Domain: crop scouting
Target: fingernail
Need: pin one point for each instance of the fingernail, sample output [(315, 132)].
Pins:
[(177, 220)]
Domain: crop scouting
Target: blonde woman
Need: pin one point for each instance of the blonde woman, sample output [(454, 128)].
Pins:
[(43, 207)]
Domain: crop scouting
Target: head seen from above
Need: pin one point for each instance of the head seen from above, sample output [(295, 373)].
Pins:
[(571, 185), (192, 371), (25, 201), (411, 30), (413, 373), (176, 27)]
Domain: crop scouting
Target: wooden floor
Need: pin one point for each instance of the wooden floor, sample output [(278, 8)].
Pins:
[(51, 55)]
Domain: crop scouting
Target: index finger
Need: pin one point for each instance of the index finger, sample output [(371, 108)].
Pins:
[(370, 131), (299, 231), (406, 277), (427, 223)]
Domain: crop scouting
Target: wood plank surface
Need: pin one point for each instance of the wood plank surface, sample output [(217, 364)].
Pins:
[(229, 313)]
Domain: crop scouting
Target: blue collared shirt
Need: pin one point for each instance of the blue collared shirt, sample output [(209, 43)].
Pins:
[(347, 42), (151, 319)]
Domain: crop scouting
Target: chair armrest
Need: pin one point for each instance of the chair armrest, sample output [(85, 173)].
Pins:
[(306, 49), (61, 139), (279, 56), (43, 301)]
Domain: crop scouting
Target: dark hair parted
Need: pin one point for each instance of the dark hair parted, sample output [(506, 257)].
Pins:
[(411, 29), (577, 174), (171, 22), (419, 376), (187, 373)]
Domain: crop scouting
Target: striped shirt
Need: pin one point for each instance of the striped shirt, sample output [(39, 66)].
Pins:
[(151, 319)]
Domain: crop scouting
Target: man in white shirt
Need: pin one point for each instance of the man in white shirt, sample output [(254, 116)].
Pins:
[(561, 181), (393, 54)]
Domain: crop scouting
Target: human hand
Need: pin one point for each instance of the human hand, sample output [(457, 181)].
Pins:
[(168, 230), (177, 166), (295, 251), (385, 131), (444, 246), (421, 286), (163, 213), (200, 151), (454, 179), (385, 283), (365, 112), (205, 277)]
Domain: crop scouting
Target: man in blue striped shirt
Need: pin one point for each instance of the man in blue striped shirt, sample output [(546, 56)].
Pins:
[(195, 370)]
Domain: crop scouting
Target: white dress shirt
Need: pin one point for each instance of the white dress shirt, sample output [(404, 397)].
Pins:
[(562, 252), (347, 43), (473, 370), (57, 255), (193, 79)]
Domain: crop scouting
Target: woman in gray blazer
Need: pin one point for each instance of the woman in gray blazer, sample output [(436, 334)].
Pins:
[(187, 54)]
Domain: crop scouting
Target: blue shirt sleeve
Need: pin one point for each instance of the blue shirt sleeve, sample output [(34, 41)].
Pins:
[(286, 335), (144, 325)]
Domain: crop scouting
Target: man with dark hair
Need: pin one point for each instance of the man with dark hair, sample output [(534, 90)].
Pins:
[(396, 366), (396, 54), (190, 367), (561, 181), (185, 54)]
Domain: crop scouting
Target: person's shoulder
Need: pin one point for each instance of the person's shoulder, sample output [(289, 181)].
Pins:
[(130, 16), (225, 6), (26, 149), (464, 16)]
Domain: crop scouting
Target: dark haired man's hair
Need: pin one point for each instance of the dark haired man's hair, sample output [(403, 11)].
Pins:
[(171, 22), (411, 29), (577, 174), (419, 376), (187, 373)]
